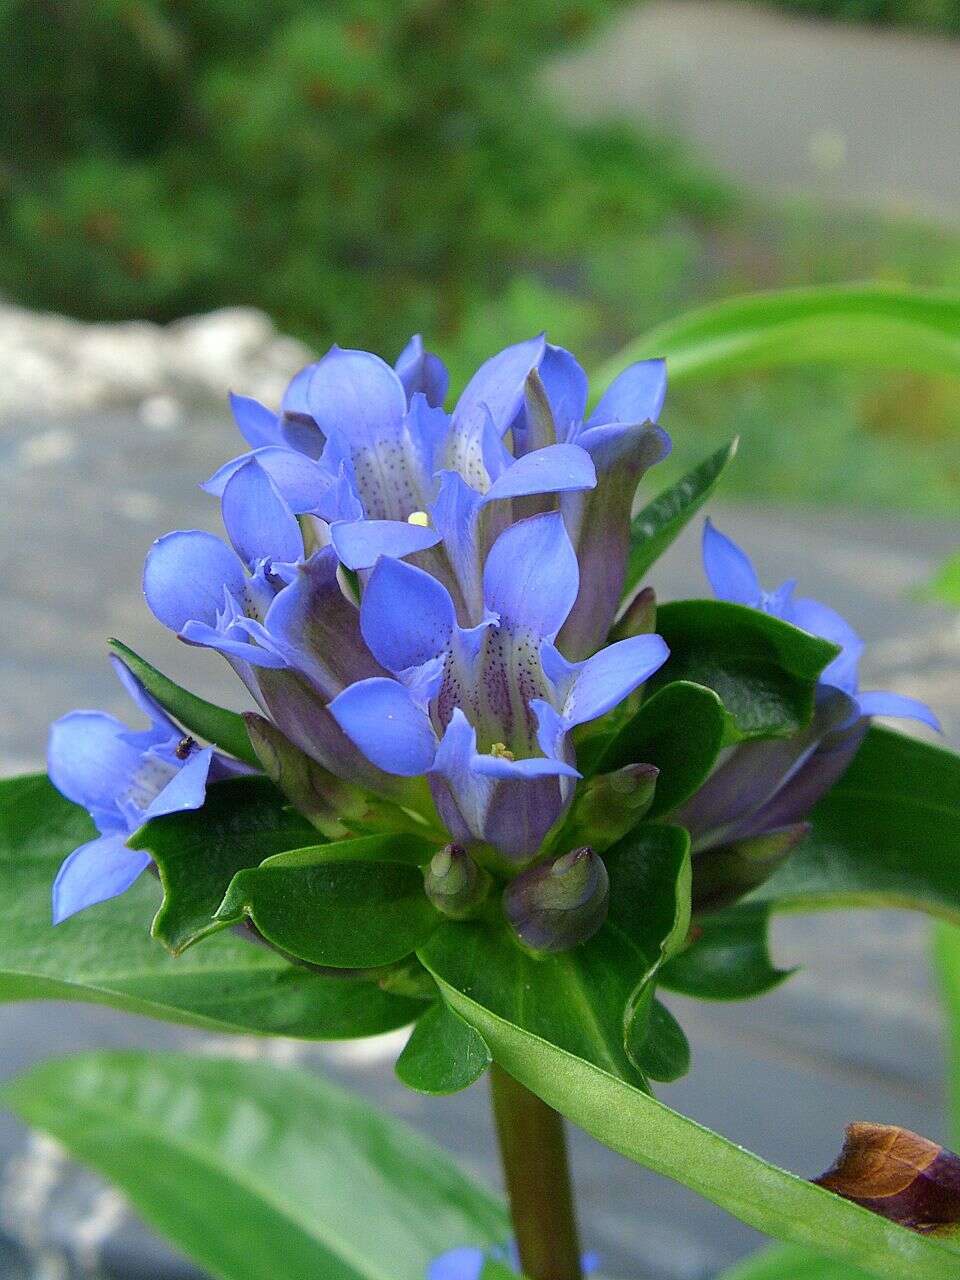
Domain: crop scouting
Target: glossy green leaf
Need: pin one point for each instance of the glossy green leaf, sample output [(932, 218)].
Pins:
[(852, 325), (680, 729), (657, 1045), (633, 1123), (792, 1263), (763, 670), (729, 958), (888, 834), (105, 955), (444, 1054), (660, 521), (224, 729), (650, 880), (198, 852), (346, 914), (256, 1171)]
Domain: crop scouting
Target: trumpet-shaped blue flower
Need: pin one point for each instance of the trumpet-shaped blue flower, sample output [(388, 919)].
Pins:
[(369, 451), (485, 711), (123, 777)]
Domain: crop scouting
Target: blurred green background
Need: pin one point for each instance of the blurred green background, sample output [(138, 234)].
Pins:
[(364, 169)]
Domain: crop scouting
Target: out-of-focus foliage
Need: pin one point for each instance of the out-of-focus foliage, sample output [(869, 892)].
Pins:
[(360, 168), (927, 15)]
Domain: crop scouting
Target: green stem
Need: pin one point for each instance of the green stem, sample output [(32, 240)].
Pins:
[(534, 1153)]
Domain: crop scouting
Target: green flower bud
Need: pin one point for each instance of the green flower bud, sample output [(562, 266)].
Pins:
[(720, 876), (609, 805), (557, 905), (639, 618), (454, 883)]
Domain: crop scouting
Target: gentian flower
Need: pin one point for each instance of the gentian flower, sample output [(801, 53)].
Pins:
[(467, 1261), (123, 777), (502, 683), (771, 785)]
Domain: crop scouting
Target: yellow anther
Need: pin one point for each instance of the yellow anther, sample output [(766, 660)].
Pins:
[(419, 517), (500, 750)]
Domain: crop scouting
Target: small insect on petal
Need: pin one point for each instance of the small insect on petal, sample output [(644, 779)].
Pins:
[(899, 1175), (184, 747)]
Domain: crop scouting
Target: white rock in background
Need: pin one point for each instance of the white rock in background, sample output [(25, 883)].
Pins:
[(52, 365)]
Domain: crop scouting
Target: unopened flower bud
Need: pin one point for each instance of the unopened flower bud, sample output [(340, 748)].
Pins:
[(557, 905), (454, 883), (720, 876), (899, 1175), (639, 618), (608, 805)]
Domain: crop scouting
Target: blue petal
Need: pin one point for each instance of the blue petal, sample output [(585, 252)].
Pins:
[(594, 687), (144, 700), (358, 395), (187, 789), (464, 1263), (821, 620), (454, 515), (258, 425), (531, 576), (490, 403), (383, 719), (729, 570), (636, 395), (232, 642), (556, 469), (295, 401), (531, 767), (896, 704), (185, 575), (260, 524), (566, 385), (421, 370), (361, 543), (95, 872), (316, 629), (90, 759), (300, 481), (406, 616)]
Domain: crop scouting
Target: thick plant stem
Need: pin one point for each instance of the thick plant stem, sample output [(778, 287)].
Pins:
[(534, 1153)]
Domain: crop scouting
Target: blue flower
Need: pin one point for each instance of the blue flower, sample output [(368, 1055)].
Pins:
[(467, 1262), (123, 777), (502, 683), (732, 576), (369, 452)]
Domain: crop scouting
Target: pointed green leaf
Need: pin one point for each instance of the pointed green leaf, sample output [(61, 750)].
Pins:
[(633, 1123), (256, 1171), (793, 1263), (660, 521), (105, 955), (729, 958), (888, 834), (222, 728), (344, 914), (680, 729), (657, 1045), (444, 1054), (854, 325), (763, 670), (198, 852)]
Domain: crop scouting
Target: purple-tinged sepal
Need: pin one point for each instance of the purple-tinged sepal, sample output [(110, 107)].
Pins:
[(609, 805), (558, 905), (454, 883), (721, 876)]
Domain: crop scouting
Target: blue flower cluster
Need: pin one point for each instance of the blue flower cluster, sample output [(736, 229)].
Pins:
[(410, 593)]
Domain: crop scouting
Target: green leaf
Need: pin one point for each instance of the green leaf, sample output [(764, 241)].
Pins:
[(105, 955), (633, 1123), (444, 1054), (354, 914), (680, 729), (946, 957), (792, 1263), (224, 729), (660, 521), (658, 1045), (256, 1171), (888, 834), (763, 670), (851, 325), (729, 959), (198, 852), (945, 583)]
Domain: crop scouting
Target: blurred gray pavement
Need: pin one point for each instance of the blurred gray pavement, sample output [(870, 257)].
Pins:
[(843, 112), (854, 1035)]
